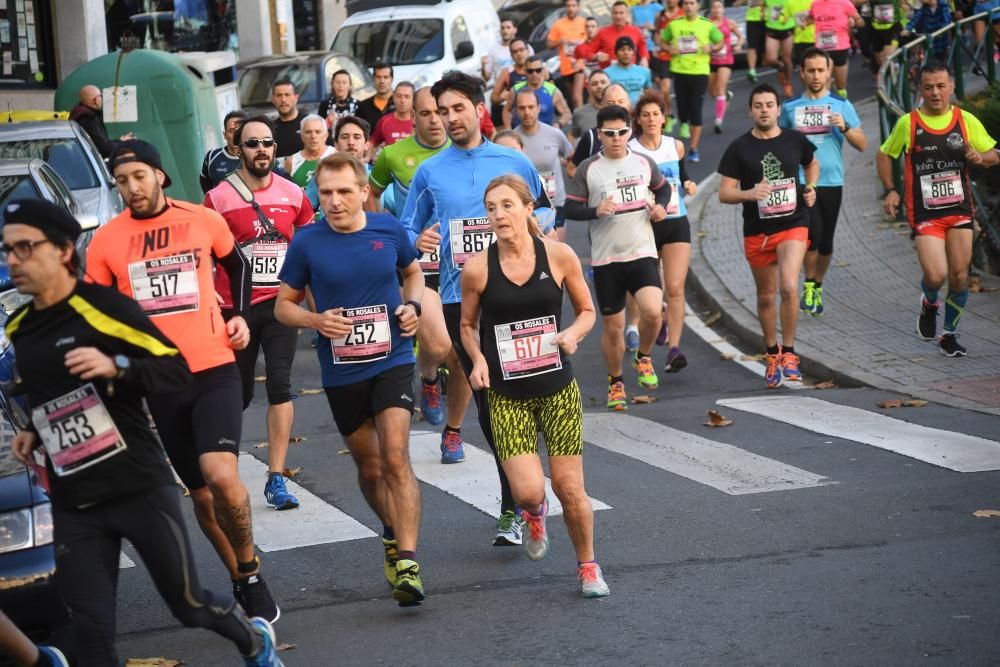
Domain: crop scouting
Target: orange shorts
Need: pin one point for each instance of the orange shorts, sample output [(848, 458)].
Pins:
[(762, 249), (938, 227)]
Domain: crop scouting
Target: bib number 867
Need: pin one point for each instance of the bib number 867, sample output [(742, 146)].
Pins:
[(73, 430), (473, 242)]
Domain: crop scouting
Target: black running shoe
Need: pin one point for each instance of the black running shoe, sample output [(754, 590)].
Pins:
[(927, 322), (950, 346), (256, 600)]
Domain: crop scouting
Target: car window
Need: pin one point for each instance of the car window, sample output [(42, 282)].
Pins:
[(459, 34), (55, 185), (65, 155), (255, 82), (360, 86), (16, 187), (410, 42)]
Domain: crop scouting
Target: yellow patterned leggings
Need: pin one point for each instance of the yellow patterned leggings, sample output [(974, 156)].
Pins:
[(517, 421)]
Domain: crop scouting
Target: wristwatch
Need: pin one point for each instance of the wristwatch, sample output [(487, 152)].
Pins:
[(416, 306), (123, 364)]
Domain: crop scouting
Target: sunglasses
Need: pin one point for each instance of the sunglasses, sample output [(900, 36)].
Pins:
[(254, 143), (620, 132), (533, 70)]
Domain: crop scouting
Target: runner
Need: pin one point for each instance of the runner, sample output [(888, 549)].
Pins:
[(607, 37), (634, 78), (301, 165), (367, 366), (886, 26), (660, 62), (262, 212), (759, 170), (833, 20), (545, 216), (804, 32), (87, 356), (24, 652), (341, 102), (395, 168), (827, 120), (567, 33), (939, 142), (673, 235), (350, 135), (501, 95), (721, 62), (779, 23), (512, 298), (547, 148), (500, 54), (399, 123), (610, 190), (691, 40), (590, 143), (445, 210), (755, 38), (585, 117), (220, 162), (550, 98), (157, 252)]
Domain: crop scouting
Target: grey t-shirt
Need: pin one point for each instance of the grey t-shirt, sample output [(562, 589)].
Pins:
[(584, 118), (544, 148)]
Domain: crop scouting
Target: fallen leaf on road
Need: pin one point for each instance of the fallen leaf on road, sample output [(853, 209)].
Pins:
[(914, 403), (260, 445), (715, 419), (728, 356), (284, 647), (644, 399), (260, 378), (976, 285), (918, 359), (344, 451), (292, 472), (701, 235), (842, 264), (713, 318), (309, 392), (753, 357), (296, 438), (985, 514), (153, 662), (828, 384), (893, 403)]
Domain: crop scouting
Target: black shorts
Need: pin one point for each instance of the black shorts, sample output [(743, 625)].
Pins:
[(354, 404), (839, 58), (672, 230), (613, 281), (716, 68), (433, 281), (659, 68), (880, 39), (823, 218), (203, 418), (755, 36), (278, 342), (798, 50), (780, 35)]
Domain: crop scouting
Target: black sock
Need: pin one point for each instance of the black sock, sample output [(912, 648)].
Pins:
[(810, 280), (788, 350), (247, 568), (614, 378), (772, 349), (407, 555), (818, 284), (640, 354), (431, 382), (452, 429), (387, 533)]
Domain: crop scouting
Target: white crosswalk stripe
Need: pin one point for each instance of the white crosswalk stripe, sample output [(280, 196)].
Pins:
[(948, 449), (715, 464)]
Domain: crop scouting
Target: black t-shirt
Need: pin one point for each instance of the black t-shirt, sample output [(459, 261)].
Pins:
[(749, 160), (371, 114), (101, 317), (286, 133)]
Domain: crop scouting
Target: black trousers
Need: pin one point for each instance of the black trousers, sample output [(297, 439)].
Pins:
[(689, 89)]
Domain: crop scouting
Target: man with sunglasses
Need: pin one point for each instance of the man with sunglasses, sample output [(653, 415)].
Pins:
[(550, 98), (509, 77), (263, 212), (620, 193), (87, 356), (159, 252)]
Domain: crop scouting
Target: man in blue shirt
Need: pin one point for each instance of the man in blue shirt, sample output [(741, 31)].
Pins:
[(349, 263), (826, 119), (634, 78), (445, 209), (220, 162)]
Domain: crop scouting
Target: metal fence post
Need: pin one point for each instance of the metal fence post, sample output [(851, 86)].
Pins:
[(956, 61)]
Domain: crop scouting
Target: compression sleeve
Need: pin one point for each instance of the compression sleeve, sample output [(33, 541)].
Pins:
[(682, 170), (578, 210), (237, 267), (662, 194)]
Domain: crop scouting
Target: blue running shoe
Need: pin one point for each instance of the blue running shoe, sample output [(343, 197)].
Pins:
[(267, 656), (430, 402), (772, 376), (451, 447), (277, 496), (54, 656), (693, 155), (631, 340), (790, 367)]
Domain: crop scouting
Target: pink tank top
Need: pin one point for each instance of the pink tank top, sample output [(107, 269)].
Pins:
[(725, 55)]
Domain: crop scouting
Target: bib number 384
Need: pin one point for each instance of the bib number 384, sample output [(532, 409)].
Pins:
[(468, 237), (528, 347), (370, 338), (782, 200), (77, 431)]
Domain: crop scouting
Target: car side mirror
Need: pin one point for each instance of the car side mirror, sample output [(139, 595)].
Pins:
[(88, 221), (464, 50)]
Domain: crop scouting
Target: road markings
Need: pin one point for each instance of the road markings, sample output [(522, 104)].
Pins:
[(314, 522), (729, 469), (473, 481), (124, 562), (947, 449)]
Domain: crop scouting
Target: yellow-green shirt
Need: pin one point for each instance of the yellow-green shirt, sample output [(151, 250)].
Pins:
[(805, 32), (777, 16), (899, 140), (690, 37), (753, 12)]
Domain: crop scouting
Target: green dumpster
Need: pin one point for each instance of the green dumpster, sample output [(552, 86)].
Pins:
[(160, 98)]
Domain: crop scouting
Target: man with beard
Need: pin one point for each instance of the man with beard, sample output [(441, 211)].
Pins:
[(220, 162), (286, 128), (262, 211), (379, 104), (585, 116), (159, 252)]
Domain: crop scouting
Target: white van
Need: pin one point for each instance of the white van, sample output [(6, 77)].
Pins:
[(421, 41)]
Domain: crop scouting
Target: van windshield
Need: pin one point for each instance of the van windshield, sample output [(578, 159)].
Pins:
[(410, 42)]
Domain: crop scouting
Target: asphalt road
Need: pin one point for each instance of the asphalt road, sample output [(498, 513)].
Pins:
[(761, 543)]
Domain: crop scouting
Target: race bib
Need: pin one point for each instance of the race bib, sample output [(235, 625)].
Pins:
[(674, 206), (628, 193), (370, 338), (77, 431), (801, 19), (266, 259), (782, 201), (942, 189), (468, 237), (826, 40), (776, 13), (430, 262), (884, 13), (166, 285), (813, 119), (687, 44), (549, 182), (528, 347), (722, 53)]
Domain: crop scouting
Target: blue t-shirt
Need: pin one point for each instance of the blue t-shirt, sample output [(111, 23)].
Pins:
[(643, 14), (355, 270), (634, 78), (812, 118), (449, 187)]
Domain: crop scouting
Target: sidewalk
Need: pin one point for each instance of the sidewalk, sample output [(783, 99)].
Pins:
[(871, 297)]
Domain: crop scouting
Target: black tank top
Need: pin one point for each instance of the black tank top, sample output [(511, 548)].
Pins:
[(516, 78), (516, 328), (937, 180)]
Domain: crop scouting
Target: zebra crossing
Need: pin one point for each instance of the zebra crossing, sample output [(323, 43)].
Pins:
[(717, 465)]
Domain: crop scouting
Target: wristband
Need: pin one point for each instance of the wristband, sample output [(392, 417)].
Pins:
[(415, 305)]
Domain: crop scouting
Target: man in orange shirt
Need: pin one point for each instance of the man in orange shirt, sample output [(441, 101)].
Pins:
[(620, 27), (567, 33)]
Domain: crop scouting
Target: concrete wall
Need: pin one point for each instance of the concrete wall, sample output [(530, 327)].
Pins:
[(333, 14)]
